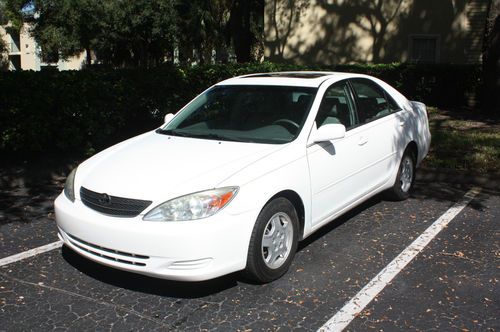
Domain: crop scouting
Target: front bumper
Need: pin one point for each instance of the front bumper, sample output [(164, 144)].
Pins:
[(189, 251)]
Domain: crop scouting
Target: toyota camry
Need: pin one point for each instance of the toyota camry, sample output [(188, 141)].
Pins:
[(242, 173)]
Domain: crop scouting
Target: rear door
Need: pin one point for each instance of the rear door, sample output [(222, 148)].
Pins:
[(379, 128)]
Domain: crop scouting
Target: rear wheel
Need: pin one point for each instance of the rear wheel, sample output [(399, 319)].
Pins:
[(273, 242), (405, 178)]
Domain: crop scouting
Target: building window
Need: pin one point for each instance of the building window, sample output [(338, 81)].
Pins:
[(424, 49)]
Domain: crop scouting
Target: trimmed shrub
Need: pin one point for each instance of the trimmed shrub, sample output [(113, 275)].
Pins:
[(87, 110)]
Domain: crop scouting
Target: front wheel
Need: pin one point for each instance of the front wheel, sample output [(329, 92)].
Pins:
[(273, 242), (405, 178)]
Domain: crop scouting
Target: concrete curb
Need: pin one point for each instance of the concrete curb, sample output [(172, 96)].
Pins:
[(456, 177)]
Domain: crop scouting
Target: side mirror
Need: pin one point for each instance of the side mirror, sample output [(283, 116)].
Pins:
[(328, 132), (168, 118)]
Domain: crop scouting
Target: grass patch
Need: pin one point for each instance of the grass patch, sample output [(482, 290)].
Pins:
[(463, 140)]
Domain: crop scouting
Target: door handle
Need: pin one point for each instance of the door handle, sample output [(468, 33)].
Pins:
[(362, 141)]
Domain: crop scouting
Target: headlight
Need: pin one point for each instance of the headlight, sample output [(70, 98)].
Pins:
[(198, 205), (69, 186)]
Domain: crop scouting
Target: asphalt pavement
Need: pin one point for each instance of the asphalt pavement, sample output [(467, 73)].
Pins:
[(451, 285)]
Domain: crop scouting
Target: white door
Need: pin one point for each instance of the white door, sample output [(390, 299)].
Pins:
[(380, 126), (345, 170)]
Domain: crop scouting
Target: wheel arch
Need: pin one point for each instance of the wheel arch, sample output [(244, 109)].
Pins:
[(297, 203), (413, 147)]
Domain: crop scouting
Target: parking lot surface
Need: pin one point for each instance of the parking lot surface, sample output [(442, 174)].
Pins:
[(451, 285)]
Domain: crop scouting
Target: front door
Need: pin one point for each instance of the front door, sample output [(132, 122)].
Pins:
[(333, 165)]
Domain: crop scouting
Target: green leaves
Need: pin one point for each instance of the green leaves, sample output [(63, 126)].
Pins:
[(141, 33), (136, 33)]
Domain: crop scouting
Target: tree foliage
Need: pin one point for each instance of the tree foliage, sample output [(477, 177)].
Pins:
[(66, 27), (136, 33), (4, 64), (144, 33), (203, 28), (120, 33), (3, 47), (12, 11)]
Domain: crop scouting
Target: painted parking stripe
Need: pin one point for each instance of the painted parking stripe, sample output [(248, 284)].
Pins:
[(30, 253), (356, 304)]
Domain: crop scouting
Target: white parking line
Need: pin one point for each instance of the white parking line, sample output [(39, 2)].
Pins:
[(30, 253), (356, 304)]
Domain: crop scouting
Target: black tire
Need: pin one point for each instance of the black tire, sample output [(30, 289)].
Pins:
[(403, 185), (262, 266)]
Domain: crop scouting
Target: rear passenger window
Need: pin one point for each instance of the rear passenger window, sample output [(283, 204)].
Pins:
[(337, 107), (373, 102)]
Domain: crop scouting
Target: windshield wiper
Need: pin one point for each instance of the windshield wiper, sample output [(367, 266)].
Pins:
[(212, 136), (172, 132), (215, 136)]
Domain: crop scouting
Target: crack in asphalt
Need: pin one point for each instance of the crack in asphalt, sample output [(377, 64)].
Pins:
[(114, 306)]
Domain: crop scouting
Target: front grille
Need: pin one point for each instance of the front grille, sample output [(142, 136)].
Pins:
[(124, 257), (112, 205)]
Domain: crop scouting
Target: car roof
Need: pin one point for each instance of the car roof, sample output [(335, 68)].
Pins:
[(309, 79), (288, 78)]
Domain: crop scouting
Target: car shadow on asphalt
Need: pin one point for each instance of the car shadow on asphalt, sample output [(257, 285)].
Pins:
[(339, 221), (451, 193), (422, 191)]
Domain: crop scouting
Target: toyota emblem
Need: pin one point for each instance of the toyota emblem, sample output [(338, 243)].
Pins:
[(105, 199)]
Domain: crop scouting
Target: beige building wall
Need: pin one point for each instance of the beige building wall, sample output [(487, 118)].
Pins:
[(374, 31), (24, 54), (28, 48)]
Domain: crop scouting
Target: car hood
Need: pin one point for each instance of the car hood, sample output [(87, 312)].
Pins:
[(159, 167)]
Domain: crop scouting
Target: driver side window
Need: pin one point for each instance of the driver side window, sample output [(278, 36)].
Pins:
[(337, 107)]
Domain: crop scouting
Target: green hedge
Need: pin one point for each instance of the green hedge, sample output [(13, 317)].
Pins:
[(84, 111)]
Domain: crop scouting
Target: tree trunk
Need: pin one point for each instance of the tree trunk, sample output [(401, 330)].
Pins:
[(88, 56), (240, 30)]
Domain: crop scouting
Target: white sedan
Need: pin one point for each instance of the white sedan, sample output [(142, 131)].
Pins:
[(242, 173)]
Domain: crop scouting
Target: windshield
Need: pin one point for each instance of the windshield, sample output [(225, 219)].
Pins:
[(243, 113)]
